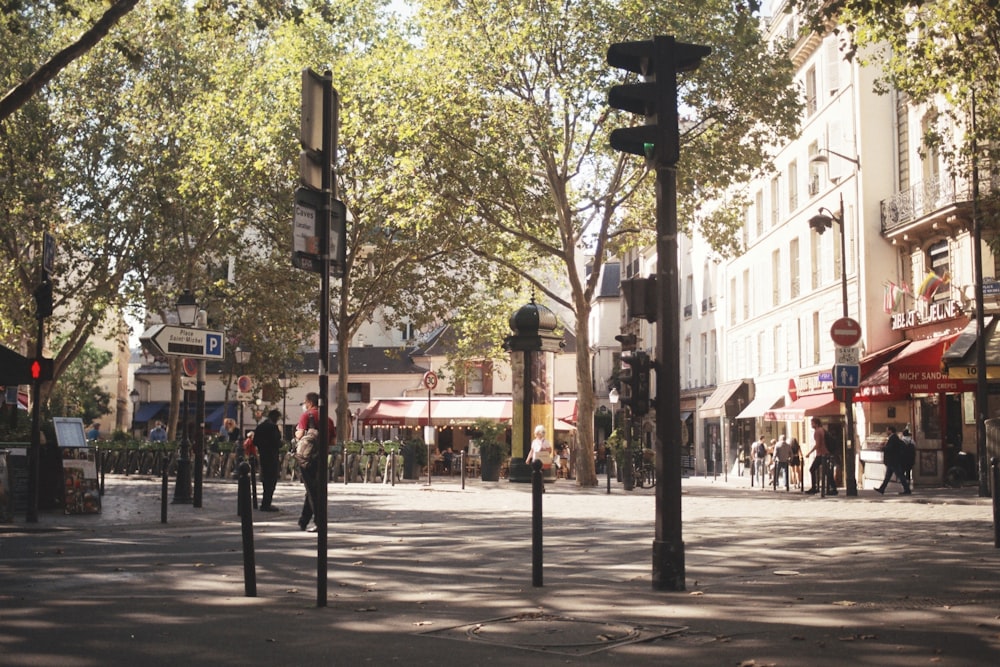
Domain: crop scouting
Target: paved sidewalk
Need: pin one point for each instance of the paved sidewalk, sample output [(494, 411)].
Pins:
[(442, 575)]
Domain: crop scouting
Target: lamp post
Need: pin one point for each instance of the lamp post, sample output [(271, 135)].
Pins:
[(283, 382), (242, 358), (820, 223), (613, 399), (134, 397), (187, 313)]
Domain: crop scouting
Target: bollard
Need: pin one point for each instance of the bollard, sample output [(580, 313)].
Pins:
[(995, 492), (253, 479), (100, 462), (536, 523), (461, 466), (249, 565), (163, 496), (607, 466)]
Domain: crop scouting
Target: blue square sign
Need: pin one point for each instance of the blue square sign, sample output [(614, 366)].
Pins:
[(846, 376)]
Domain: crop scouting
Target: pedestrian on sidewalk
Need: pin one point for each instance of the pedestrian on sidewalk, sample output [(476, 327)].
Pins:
[(892, 457), (780, 458), (822, 453), (308, 426), (267, 439), (909, 455), (795, 461)]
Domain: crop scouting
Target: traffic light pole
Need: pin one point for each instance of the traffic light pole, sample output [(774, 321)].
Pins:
[(668, 545), (34, 453)]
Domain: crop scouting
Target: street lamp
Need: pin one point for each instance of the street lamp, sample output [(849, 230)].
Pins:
[(820, 223), (134, 397), (613, 399), (283, 382)]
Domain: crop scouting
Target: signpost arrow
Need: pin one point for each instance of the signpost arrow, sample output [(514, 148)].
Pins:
[(174, 341)]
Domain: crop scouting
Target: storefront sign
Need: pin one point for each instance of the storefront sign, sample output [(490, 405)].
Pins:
[(935, 312)]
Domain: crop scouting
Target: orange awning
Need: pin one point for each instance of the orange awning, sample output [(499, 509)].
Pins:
[(822, 404)]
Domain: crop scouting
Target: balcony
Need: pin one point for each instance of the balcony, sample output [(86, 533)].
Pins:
[(943, 200)]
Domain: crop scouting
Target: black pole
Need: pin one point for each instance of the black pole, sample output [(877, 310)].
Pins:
[(995, 467), (322, 473), (246, 522), (182, 483), (851, 481), (537, 486), (668, 545), (164, 492), (34, 453), (199, 436), (982, 388)]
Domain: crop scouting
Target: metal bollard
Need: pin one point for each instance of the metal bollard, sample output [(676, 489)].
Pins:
[(100, 461), (607, 466), (253, 479), (249, 564), (537, 487), (461, 466), (163, 496)]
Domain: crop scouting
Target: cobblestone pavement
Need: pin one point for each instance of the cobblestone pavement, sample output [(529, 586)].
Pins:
[(427, 575)]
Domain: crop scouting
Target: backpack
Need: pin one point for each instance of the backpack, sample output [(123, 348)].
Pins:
[(831, 442), (305, 447)]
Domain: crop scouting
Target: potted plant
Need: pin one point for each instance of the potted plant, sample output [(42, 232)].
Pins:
[(493, 448)]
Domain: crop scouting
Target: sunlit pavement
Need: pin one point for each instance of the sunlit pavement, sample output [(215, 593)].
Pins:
[(438, 574)]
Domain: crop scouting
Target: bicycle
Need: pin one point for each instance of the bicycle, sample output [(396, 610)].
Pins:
[(644, 470)]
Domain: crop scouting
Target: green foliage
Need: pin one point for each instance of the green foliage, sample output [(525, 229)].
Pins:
[(493, 446), (77, 393)]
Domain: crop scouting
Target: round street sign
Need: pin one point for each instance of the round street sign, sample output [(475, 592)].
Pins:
[(430, 379), (845, 332)]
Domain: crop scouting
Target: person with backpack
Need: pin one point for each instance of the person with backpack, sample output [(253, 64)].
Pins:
[(822, 452), (909, 455), (306, 453), (893, 454), (758, 454)]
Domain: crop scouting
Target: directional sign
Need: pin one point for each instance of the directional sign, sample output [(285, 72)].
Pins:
[(846, 376), (849, 356), (174, 341), (845, 332)]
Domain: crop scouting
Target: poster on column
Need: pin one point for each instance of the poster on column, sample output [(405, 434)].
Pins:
[(81, 488)]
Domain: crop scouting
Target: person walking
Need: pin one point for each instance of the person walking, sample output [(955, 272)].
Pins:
[(309, 469), (758, 454), (267, 439), (795, 461), (893, 456), (541, 448), (909, 455), (822, 453), (780, 458)]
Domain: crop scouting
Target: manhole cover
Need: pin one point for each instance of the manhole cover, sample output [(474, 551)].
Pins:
[(551, 633)]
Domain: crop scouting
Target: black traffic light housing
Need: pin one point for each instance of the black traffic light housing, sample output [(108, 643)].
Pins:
[(42, 369), (658, 61), (640, 297), (634, 381), (43, 299)]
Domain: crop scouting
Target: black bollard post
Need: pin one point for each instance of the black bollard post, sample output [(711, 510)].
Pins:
[(536, 523), (164, 492), (253, 479), (100, 462), (249, 564), (461, 466), (392, 460), (607, 465), (995, 493)]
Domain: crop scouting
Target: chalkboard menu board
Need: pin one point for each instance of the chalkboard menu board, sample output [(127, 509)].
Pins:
[(13, 483), (69, 432)]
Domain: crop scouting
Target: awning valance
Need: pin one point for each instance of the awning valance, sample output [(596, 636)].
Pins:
[(822, 404), (960, 358), (916, 369), (147, 411), (718, 403), (455, 411), (761, 404)]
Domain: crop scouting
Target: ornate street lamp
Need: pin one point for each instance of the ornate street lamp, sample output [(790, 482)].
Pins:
[(613, 399), (820, 223), (134, 397), (242, 358)]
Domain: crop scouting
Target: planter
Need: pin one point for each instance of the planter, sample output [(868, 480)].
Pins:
[(490, 470)]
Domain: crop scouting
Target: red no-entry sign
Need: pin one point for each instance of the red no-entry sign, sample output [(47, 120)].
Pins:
[(845, 332)]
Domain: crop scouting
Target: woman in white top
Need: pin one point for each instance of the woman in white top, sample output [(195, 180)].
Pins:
[(541, 449)]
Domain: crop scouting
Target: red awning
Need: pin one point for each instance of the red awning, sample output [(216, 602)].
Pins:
[(916, 369), (822, 404), (455, 411)]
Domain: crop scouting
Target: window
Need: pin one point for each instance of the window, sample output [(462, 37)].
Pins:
[(474, 379), (689, 295), (815, 255), (793, 269), (713, 356), (408, 332), (776, 278), (778, 350), (759, 213), (793, 186), (775, 201), (815, 337), (687, 360), (814, 170), (359, 392), (811, 102), (940, 263), (732, 300), (704, 356), (746, 294)]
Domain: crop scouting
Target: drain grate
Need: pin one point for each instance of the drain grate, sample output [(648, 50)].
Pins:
[(550, 633)]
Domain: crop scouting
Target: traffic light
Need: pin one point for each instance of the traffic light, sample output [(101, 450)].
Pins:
[(43, 299), (658, 61), (640, 372), (41, 369), (626, 379), (640, 297)]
